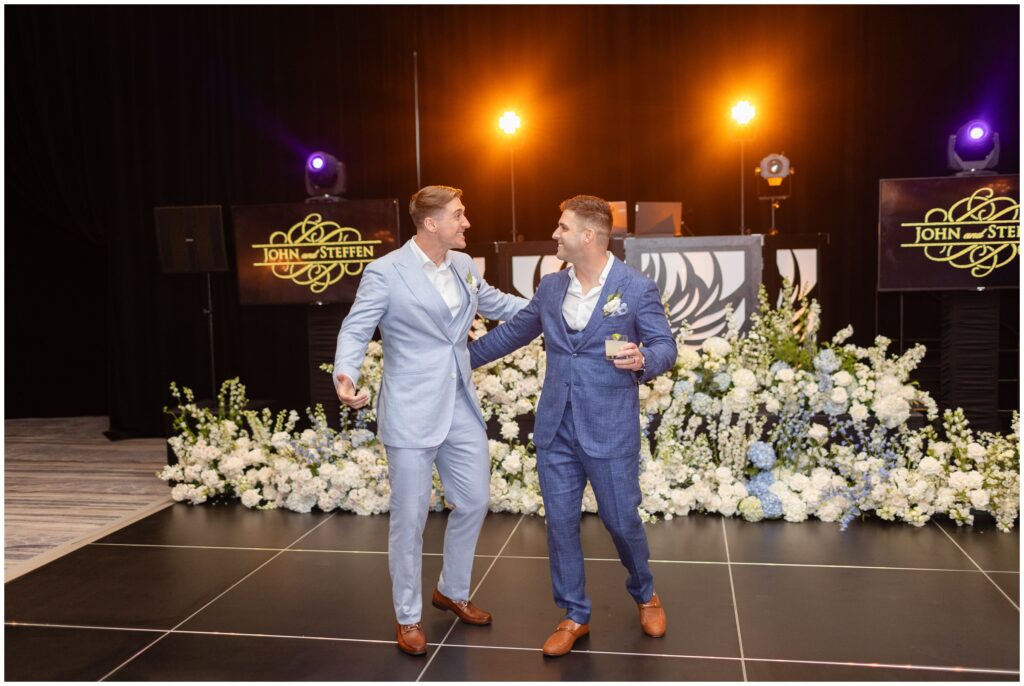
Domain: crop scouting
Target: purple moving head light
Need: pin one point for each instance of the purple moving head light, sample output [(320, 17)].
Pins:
[(973, 148), (325, 176), (316, 162)]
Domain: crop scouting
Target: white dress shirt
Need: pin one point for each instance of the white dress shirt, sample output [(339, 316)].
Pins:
[(442, 278), (577, 308)]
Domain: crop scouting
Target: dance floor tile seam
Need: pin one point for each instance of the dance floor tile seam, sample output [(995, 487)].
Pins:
[(735, 604), (439, 645), (967, 555), (472, 593), (587, 559), (211, 601)]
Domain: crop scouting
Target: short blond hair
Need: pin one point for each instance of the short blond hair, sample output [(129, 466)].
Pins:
[(595, 212), (429, 200)]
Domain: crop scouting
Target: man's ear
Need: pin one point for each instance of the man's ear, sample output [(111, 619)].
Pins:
[(430, 225)]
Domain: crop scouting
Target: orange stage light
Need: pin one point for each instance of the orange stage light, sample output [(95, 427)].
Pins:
[(509, 122)]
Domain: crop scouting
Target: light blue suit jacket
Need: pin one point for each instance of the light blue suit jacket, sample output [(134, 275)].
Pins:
[(605, 400), (424, 348)]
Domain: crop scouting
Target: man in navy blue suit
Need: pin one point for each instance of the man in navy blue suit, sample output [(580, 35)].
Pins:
[(588, 418)]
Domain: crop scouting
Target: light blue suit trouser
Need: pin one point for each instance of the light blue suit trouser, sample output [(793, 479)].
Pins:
[(464, 463)]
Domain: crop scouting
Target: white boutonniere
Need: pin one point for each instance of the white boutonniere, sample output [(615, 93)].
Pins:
[(614, 307), (471, 283)]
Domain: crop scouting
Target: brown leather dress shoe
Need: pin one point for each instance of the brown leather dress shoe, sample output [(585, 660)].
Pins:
[(652, 617), (562, 641), (411, 639), (466, 611)]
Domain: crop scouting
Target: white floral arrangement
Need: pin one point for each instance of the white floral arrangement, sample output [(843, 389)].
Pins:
[(763, 424)]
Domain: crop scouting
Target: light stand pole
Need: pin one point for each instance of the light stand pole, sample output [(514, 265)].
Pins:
[(742, 114), (743, 223), (509, 123), (512, 175)]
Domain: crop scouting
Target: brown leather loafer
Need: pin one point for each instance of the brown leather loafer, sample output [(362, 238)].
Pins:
[(652, 617), (466, 611), (411, 639), (562, 641)]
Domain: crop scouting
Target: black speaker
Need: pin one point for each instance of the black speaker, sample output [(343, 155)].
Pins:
[(191, 239)]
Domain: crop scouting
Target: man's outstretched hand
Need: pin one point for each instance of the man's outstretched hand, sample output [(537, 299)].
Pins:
[(347, 393)]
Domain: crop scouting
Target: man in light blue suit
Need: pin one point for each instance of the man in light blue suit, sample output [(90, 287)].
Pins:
[(423, 297), (588, 417)]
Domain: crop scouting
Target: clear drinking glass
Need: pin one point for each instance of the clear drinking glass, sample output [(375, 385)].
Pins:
[(613, 343)]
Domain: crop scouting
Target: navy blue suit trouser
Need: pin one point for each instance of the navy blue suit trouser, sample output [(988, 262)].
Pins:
[(564, 468)]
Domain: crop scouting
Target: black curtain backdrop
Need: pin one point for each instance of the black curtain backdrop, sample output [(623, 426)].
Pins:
[(111, 111)]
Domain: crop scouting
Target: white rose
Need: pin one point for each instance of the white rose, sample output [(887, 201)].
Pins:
[(838, 396), (744, 378), (975, 480), (210, 477), (979, 498), (739, 398), (509, 430), (891, 410), (810, 388), (958, 481), (251, 498), (975, 451), (723, 474), (798, 482), (929, 466), (817, 433), (785, 375), (232, 467), (821, 478), (717, 346), (663, 384), (842, 378), (858, 412), (888, 385), (940, 449), (771, 405), (688, 358), (944, 498)]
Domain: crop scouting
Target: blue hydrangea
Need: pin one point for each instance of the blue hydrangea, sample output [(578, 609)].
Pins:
[(761, 455), (722, 380), (833, 409), (360, 437), (824, 382), (770, 505), (777, 365), (684, 387), (826, 361), (760, 483)]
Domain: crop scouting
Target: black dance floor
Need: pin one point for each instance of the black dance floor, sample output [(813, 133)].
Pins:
[(223, 593)]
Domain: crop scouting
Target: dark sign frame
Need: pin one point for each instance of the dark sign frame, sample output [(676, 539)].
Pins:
[(310, 253), (947, 221)]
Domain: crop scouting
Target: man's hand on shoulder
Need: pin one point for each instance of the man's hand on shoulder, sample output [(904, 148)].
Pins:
[(347, 393)]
